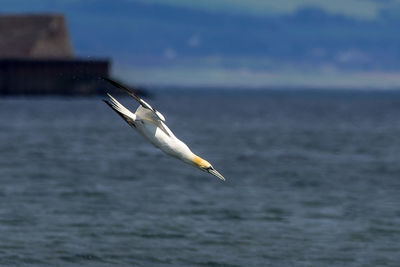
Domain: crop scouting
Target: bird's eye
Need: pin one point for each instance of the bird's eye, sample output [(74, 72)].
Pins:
[(209, 168)]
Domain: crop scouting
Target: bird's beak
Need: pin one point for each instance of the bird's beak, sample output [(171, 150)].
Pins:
[(215, 173)]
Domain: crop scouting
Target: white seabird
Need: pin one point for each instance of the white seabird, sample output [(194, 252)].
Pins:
[(150, 124)]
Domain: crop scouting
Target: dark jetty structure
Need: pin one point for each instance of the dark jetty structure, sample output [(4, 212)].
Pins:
[(36, 57)]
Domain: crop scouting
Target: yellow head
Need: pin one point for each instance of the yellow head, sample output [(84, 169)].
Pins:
[(200, 163), (204, 165)]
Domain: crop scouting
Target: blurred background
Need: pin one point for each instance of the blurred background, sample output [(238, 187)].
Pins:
[(296, 103), (230, 43)]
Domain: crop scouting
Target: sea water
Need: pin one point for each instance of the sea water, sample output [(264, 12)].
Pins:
[(313, 179)]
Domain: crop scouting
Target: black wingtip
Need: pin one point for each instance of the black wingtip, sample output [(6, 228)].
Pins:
[(120, 86), (113, 82), (107, 102), (124, 117), (104, 78), (111, 106)]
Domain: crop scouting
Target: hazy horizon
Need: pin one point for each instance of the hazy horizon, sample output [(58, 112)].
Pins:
[(255, 44)]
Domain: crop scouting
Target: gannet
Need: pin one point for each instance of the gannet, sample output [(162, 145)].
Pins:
[(150, 123)]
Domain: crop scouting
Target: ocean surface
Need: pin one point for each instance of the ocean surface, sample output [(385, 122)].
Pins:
[(313, 179)]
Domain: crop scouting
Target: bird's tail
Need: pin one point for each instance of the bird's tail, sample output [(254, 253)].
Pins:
[(125, 113)]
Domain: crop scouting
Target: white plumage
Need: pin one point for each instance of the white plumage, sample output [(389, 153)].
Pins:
[(150, 124)]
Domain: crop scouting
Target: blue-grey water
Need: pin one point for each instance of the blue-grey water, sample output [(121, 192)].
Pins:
[(313, 179)]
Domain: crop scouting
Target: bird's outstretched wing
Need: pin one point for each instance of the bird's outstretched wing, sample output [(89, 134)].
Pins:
[(146, 111), (143, 103)]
